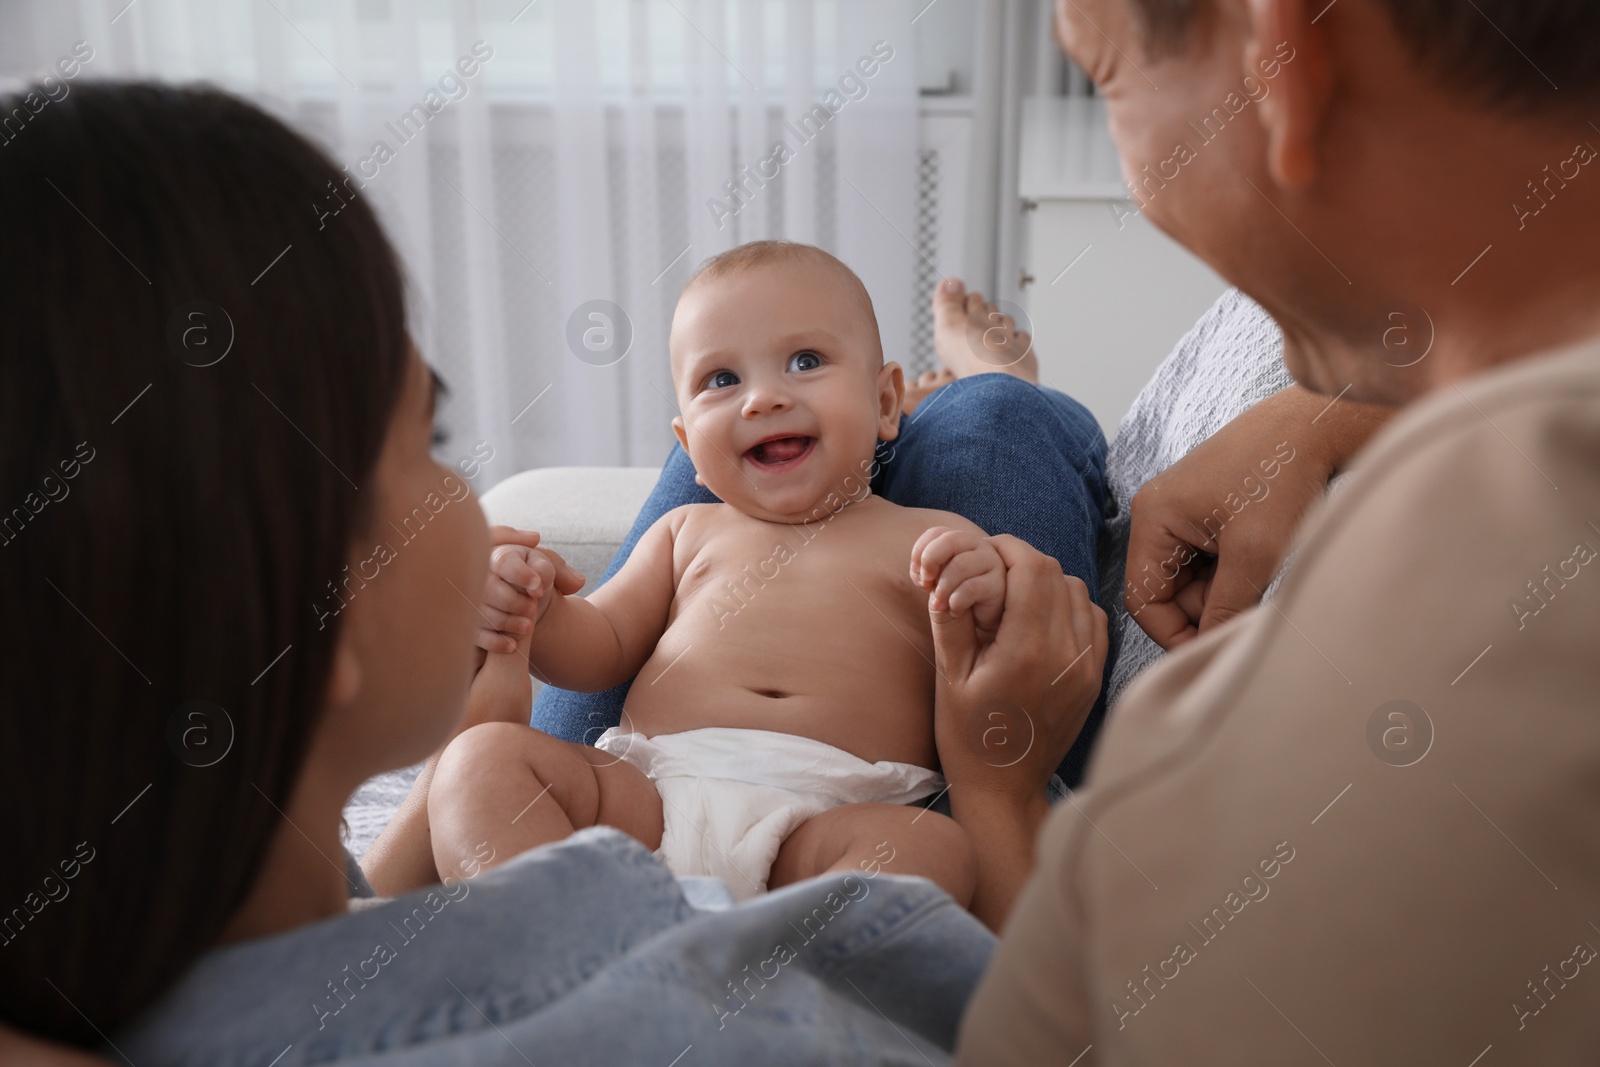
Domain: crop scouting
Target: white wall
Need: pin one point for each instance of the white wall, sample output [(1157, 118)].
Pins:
[(1108, 293)]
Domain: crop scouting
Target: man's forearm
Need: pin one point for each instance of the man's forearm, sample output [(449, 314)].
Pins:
[(1003, 834), (1334, 430)]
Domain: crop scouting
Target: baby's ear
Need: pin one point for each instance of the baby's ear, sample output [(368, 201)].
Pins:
[(891, 392), (682, 435)]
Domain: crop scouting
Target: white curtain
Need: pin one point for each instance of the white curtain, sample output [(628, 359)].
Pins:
[(550, 204)]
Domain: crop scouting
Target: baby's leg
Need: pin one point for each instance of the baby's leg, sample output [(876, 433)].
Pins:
[(502, 788), (867, 838)]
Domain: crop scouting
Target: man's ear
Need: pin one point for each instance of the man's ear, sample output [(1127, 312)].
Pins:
[(891, 392), (682, 434), (1285, 35)]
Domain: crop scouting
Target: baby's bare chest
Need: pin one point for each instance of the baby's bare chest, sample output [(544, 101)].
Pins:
[(844, 576)]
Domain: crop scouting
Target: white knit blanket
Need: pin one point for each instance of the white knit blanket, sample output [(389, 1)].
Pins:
[(1232, 358)]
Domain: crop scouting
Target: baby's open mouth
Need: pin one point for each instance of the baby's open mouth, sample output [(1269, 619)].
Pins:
[(780, 451)]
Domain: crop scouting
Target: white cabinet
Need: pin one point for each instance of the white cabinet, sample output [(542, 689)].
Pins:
[(1108, 294)]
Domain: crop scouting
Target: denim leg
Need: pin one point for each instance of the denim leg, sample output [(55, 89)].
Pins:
[(1015, 458), (583, 717)]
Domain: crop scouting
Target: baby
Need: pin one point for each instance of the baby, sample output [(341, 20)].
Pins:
[(782, 714)]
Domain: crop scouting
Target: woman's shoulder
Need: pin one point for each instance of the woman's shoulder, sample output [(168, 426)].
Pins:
[(377, 975)]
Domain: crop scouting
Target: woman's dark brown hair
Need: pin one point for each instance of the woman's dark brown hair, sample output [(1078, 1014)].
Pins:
[(198, 366)]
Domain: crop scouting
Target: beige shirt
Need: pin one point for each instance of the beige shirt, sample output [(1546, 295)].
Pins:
[(1360, 825)]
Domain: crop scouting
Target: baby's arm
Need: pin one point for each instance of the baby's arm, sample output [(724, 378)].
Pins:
[(592, 644), (962, 572)]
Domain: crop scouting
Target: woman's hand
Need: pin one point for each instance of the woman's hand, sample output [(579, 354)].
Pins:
[(1210, 532), (1006, 712), (402, 858), (522, 578)]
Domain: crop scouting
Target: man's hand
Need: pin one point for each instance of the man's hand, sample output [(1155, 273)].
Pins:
[(1007, 711), (961, 571), (522, 580), (1210, 533)]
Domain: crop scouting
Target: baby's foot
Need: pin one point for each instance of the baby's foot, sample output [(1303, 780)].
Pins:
[(973, 336)]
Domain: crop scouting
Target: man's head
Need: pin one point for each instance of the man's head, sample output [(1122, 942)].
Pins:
[(1511, 54), (781, 382), (1344, 163)]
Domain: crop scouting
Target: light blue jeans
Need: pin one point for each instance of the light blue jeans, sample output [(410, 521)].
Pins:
[(1013, 457), (586, 951)]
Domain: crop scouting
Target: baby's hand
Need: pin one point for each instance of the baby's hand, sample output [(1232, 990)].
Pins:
[(962, 571), (523, 580)]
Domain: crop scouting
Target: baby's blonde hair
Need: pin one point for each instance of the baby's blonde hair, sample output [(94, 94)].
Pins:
[(759, 253)]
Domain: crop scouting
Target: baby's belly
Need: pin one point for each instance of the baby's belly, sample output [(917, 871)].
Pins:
[(845, 686)]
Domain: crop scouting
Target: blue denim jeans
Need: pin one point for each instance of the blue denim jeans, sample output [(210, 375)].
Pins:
[(1013, 457)]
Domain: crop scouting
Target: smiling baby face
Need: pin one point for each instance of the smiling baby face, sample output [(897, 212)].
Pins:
[(781, 382)]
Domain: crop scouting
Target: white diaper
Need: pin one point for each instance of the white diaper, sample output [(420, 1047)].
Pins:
[(729, 797)]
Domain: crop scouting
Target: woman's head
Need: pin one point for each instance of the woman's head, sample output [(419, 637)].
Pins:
[(210, 410)]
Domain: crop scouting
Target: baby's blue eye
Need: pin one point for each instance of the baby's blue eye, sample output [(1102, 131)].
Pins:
[(805, 361), (722, 379)]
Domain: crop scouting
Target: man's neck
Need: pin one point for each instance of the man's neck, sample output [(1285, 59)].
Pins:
[(1484, 254), (1535, 288)]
